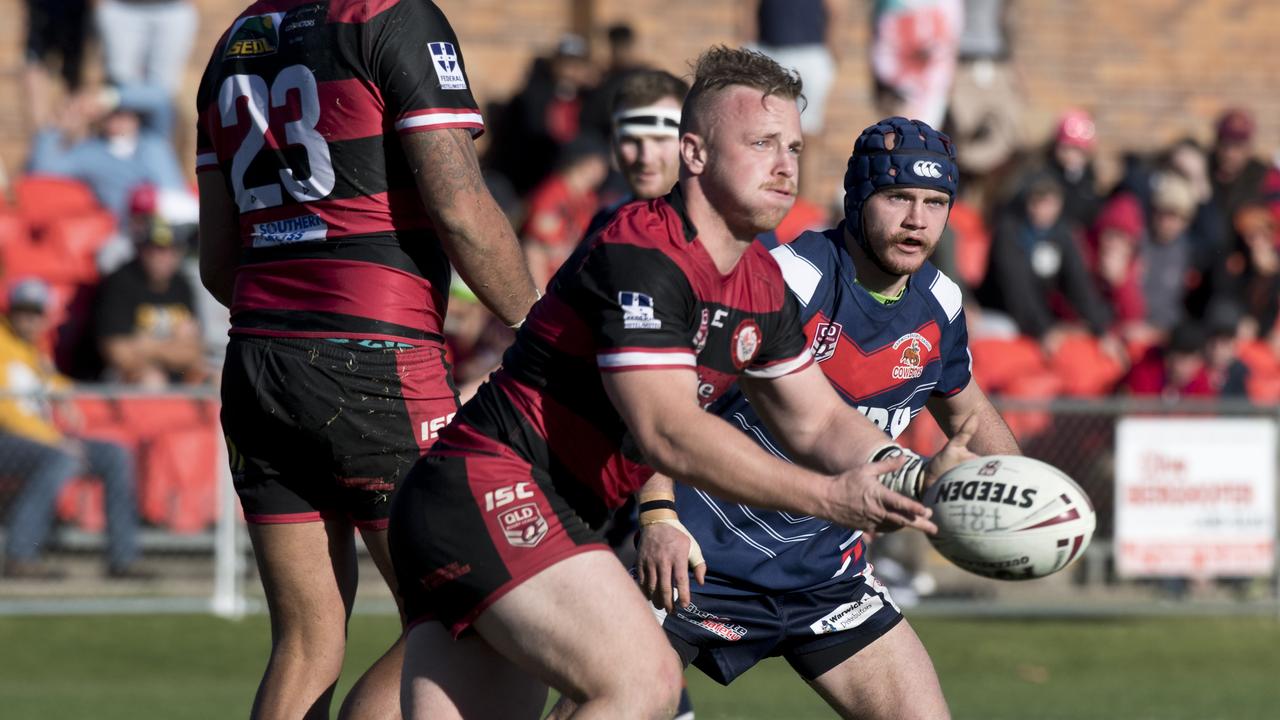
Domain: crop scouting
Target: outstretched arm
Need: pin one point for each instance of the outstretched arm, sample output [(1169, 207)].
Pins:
[(991, 436)]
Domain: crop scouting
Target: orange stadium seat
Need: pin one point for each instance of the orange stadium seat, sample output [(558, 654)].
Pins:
[(13, 228), (1263, 385), (998, 362), (41, 199), (151, 416), (80, 237), (1028, 424), (82, 502), (178, 479), (1085, 370)]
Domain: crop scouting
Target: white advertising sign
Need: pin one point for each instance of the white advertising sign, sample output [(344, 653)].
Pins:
[(1195, 497)]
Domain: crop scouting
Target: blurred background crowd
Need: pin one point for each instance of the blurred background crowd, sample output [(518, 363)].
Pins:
[(1122, 242)]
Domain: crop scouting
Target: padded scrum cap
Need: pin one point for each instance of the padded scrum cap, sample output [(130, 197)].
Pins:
[(917, 156)]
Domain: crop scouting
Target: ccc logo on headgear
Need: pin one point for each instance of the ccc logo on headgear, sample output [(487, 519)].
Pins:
[(927, 168)]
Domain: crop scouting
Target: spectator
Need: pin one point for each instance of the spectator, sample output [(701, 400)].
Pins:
[(33, 447), (1169, 253), (54, 27), (1237, 175), (1116, 244), (1174, 371), (986, 101), (560, 208), (913, 56), (545, 115), (1248, 279), (114, 141), (799, 35), (1068, 158), (145, 318), (623, 61), (146, 41), (1036, 273)]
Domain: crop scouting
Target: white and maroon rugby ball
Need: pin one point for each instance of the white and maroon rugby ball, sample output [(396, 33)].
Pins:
[(1009, 517)]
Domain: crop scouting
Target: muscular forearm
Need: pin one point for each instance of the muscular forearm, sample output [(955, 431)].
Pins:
[(710, 454), (473, 230), (847, 439)]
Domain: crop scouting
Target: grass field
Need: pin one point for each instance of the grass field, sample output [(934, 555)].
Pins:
[(180, 667)]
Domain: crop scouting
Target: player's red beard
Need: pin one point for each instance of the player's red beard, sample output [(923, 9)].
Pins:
[(749, 216), (894, 263)]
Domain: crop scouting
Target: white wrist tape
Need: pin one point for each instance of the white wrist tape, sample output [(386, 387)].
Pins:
[(908, 479), (695, 551)]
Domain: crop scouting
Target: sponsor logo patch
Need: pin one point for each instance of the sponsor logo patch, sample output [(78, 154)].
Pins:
[(714, 624), (848, 615), (927, 168), (444, 58), (745, 343), (523, 525), (254, 36), (637, 311), (825, 340), (304, 228)]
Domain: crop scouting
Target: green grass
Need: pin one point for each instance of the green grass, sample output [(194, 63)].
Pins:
[(182, 667)]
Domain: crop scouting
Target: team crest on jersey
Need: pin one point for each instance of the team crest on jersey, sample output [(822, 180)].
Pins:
[(444, 58), (911, 363), (704, 329), (254, 36), (523, 525), (637, 311), (825, 340), (745, 343)]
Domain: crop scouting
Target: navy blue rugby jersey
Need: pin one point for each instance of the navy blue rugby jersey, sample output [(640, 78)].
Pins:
[(886, 360), (642, 293)]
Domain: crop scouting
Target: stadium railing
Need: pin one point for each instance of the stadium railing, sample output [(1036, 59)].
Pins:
[(195, 544)]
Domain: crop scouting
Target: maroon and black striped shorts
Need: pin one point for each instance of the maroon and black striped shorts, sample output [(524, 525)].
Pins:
[(315, 428), (472, 521)]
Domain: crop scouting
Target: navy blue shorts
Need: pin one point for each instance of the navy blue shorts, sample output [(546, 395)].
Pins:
[(814, 630)]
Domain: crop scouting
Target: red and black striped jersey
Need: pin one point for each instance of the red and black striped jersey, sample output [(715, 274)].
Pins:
[(301, 108), (642, 293)]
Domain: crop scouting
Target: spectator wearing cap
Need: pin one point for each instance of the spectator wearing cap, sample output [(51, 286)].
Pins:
[(1237, 174), (46, 453), (114, 141), (145, 315), (560, 209), (1069, 158)]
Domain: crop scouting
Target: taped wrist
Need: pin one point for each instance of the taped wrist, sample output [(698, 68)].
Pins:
[(908, 479), (660, 509), (695, 550)]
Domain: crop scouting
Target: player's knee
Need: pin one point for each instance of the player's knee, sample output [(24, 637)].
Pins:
[(659, 694)]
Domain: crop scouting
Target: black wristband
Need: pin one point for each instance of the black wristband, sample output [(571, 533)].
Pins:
[(657, 505)]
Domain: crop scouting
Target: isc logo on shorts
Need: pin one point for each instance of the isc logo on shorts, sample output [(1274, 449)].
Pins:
[(431, 428)]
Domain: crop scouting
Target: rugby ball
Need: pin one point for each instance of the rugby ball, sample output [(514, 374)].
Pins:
[(1009, 517)]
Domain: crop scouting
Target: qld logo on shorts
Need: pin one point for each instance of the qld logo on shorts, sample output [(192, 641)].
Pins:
[(914, 348), (444, 58), (523, 525), (745, 343), (825, 341)]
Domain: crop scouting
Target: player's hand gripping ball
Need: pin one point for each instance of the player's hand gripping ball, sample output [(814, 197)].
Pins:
[(1010, 517)]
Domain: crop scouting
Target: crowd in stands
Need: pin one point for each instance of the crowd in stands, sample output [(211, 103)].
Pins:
[(1165, 284)]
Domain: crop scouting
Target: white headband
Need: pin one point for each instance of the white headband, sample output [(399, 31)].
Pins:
[(652, 120)]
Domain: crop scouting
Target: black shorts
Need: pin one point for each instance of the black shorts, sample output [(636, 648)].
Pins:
[(473, 521), (58, 26), (314, 428), (814, 630)]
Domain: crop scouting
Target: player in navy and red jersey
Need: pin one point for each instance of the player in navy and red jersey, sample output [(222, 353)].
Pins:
[(888, 330), (338, 180), (651, 320)]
